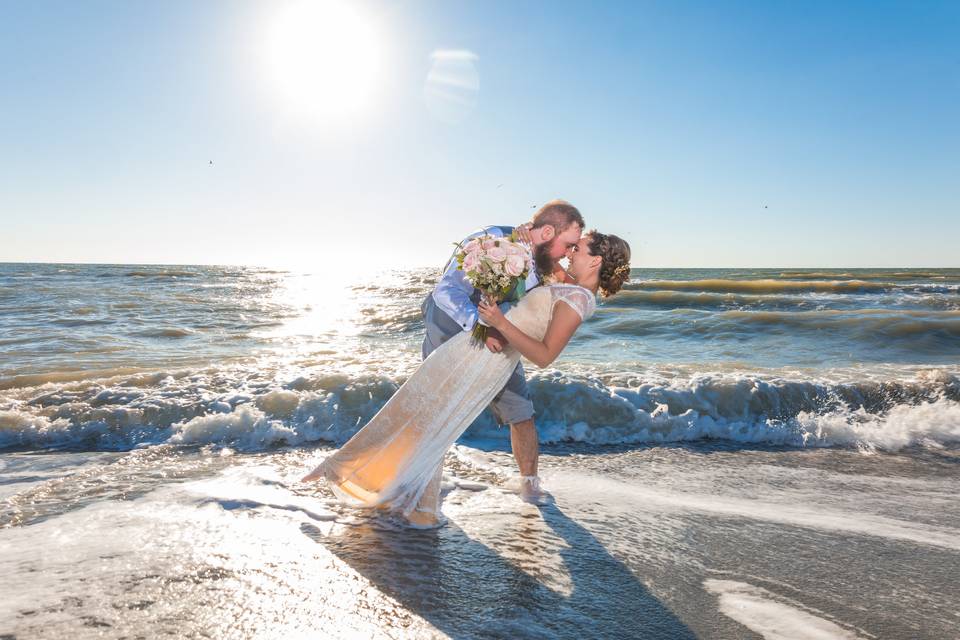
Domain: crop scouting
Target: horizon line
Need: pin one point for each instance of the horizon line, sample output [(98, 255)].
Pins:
[(275, 266)]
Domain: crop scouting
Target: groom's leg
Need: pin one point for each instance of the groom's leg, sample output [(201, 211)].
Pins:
[(526, 446), (513, 406), (438, 326)]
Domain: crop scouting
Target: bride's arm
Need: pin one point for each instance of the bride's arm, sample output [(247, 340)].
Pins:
[(541, 353)]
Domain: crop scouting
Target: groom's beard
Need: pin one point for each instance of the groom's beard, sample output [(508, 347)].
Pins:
[(542, 259)]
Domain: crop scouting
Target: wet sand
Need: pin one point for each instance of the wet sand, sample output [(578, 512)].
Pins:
[(656, 542)]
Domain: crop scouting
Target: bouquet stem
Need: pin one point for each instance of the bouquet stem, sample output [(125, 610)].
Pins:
[(479, 334)]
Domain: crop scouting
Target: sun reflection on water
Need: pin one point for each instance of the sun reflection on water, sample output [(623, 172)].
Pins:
[(364, 325)]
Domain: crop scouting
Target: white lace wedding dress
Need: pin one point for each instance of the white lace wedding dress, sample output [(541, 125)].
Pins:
[(395, 461)]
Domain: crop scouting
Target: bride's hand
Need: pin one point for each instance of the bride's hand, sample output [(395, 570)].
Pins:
[(523, 232), (491, 313)]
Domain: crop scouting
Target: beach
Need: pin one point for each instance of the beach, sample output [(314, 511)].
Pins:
[(732, 454)]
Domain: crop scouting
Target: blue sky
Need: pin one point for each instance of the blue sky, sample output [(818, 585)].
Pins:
[(774, 134)]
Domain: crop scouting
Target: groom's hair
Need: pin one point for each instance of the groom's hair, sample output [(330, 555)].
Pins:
[(559, 214)]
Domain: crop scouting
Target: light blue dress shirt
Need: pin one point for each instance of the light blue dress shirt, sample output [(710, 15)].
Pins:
[(453, 291)]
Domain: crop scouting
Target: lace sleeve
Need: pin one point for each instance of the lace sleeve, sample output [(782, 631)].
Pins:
[(581, 300)]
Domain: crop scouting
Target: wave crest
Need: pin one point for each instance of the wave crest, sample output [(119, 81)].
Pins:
[(888, 415), (768, 285)]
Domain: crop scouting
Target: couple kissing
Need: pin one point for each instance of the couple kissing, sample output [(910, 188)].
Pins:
[(484, 314)]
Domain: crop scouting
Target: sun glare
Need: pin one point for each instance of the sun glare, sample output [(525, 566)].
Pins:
[(323, 59)]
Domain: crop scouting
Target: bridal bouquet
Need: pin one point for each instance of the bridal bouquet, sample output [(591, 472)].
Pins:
[(498, 267)]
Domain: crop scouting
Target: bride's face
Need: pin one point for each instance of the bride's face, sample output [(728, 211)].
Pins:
[(581, 262)]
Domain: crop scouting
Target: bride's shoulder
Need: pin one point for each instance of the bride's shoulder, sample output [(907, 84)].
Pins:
[(566, 287), (580, 298)]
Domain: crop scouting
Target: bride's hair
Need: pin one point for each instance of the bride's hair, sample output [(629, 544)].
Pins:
[(615, 268)]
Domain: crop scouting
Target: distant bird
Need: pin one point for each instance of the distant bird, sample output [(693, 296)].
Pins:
[(499, 185), (211, 163), (533, 206)]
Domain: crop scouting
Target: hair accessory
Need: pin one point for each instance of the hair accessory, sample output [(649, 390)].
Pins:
[(622, 269)]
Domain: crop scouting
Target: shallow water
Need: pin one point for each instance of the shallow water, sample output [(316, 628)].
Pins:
[(661, 542)]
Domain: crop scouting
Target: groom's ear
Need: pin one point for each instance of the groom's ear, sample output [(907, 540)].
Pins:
[(547, 232)]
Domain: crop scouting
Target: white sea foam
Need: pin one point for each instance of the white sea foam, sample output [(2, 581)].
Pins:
[(811, 516), (905, 425), (760, 611), (279, 402), (870, 414)]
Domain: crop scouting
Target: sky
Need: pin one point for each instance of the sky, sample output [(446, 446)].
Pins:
[(373, 133)]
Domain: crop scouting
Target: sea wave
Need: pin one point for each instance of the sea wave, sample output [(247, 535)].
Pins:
[(871, 275), (882, 321), (870, 414), (165, 332), (917, 331), (18, 381), (768, 285), (804, 301), (162, 273), (392, 318)]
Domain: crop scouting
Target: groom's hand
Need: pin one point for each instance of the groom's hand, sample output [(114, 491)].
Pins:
[(495, 341)]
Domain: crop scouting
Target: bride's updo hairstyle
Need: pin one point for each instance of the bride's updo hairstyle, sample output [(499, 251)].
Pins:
[(615, 268)]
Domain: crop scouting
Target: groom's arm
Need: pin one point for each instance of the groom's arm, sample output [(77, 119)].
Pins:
[(452, 295)]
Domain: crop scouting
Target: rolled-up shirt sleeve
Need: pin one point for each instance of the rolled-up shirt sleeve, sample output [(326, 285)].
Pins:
[(452, 295)]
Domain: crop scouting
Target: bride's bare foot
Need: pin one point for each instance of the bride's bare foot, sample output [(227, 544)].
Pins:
[(423, 519), (316, 474)]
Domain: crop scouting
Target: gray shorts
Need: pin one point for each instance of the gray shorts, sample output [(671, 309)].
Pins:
[(513, 403)]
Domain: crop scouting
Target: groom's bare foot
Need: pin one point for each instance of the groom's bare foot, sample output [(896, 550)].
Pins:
[(531, 491)]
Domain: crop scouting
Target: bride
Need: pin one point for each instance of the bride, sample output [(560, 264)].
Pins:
[(394, 462)]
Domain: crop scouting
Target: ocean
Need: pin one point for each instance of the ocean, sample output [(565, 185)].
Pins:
[(733, 453)]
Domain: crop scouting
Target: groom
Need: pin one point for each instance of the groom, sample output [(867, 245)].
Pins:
[(452, 307)]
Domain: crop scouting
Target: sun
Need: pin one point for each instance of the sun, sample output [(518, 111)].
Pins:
[(322, 59)]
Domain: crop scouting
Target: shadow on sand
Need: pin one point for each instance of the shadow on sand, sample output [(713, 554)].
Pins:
[(559, 581)]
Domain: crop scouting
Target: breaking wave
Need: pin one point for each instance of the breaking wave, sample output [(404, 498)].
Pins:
[(162, 409)]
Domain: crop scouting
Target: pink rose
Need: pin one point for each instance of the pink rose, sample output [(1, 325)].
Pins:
[(472, 246), (497, 254), (489, 243), (515, 265), (471, 261)]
